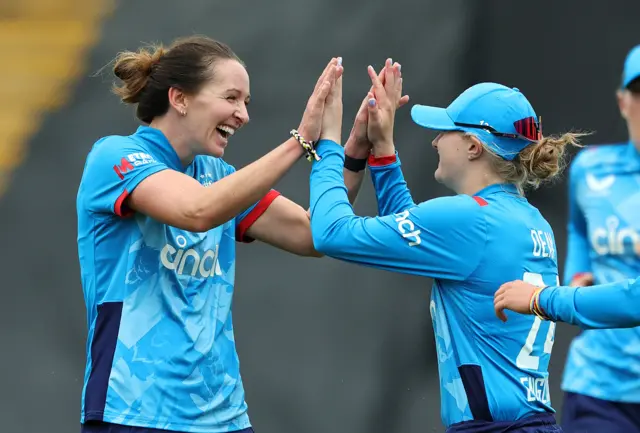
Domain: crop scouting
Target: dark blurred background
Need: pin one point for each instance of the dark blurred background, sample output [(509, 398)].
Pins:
[(324, 346)]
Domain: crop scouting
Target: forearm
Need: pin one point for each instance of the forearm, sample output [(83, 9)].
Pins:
[(226, 198), (577, 260), (392, 193), (613, 305), (353, 182), (359, 150)]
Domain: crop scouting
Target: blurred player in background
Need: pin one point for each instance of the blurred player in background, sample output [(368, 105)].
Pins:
[(604, 306), (490, 147), (602, 372), (159, 212)]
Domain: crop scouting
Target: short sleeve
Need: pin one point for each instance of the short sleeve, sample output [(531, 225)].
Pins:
[(250, 215), (114, 168)]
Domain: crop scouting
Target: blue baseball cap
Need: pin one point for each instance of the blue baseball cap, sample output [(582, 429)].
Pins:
[(631, 67), (499, 116)]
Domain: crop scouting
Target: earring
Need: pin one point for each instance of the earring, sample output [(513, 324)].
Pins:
[(183, 112)]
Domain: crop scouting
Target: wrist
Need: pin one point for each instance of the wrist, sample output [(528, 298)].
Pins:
[(308, 147), (357, 149), (534, 304), (293, 147), (383, 149), (331, 137)]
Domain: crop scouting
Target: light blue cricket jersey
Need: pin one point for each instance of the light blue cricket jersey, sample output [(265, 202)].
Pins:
[(160, 349), (604, 238), (603, 306), (489, 370)]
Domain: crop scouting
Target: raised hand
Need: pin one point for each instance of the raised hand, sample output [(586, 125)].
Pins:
[(332, 116), (358, 144), (381, 107), (311, 123)]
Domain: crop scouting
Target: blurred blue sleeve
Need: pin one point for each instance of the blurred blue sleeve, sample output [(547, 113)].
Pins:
[(577, 260), (391, 189), (603, 306), (441, 238)]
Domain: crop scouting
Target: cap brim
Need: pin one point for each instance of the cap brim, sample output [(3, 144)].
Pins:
[(630, 79), (432, 118)]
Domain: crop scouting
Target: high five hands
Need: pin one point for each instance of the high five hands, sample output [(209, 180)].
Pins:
[(373, 126)]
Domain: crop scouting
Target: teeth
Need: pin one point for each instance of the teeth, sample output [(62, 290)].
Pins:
[(229, 130)]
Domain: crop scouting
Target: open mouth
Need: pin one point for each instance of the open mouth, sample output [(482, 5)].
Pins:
[(225, 131)]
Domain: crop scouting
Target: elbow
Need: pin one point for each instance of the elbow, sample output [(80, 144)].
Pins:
[(195, 218), (323, 242), (195, 225), (307, 248), (311, 251)]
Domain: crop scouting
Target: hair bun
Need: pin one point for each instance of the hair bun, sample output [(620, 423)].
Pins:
[(134, 69)]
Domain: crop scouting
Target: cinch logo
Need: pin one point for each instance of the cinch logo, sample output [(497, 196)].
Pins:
[(406, 225), (176, 260), (611, 240), (130, 161)]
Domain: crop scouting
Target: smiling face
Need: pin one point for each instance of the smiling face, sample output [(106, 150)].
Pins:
[(453, 151), (219, 109)]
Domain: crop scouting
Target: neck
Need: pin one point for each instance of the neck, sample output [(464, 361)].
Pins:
[(178, 140), (634, 136), (474, 182)]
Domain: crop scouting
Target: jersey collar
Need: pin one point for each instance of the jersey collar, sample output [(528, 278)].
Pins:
[(498, 187), (157, 140)]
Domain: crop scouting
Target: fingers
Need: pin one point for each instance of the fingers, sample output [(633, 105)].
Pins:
[(325, 87), (372, 108), (323, 76), (398, 75), (338, 78), (499, 303), (504, 289), (397, 91), (381, 77), (334, 77), (373, 111), (378, 88), (500, 313), (403, 101), (339, 68), (363, 113), (390, 75)]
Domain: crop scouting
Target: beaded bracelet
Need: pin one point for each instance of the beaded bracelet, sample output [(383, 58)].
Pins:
[(308, 146)]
